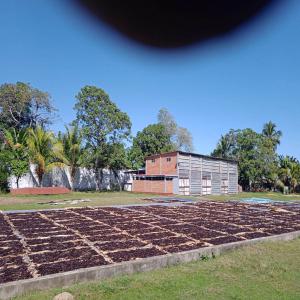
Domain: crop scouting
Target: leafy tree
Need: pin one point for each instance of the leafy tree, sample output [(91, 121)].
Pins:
[(247, 153), (4, 169), (17, 155), (289, 172), (165, 118), (270, 132), (268, 160), (69, 150), (284, 171), (135, 156), (151, 140), (295, 176), (102, 125), (22, 106), (255, 155), (226, 146), (41, 154), (179, 136), (117, 160), (100, 120), (184, 140)]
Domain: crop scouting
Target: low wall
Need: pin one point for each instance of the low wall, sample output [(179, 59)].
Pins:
[(85, 179), (153, 186), (40, 191)]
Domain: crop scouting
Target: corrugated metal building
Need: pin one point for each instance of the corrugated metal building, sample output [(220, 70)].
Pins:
[(187, 174)]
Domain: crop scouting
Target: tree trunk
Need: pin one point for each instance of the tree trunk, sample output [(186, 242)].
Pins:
[(98, 177), (117, 179), (40, 173), (40, 178), (72, 177)]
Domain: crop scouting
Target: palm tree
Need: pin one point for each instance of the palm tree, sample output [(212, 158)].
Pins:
[(289, 172), (41, 153), (295, 176), (224, 147), (15, 142), (69, 150), (270, 132), (15, 139)]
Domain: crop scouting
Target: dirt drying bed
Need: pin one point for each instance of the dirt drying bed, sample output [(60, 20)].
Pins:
[(41, 243)]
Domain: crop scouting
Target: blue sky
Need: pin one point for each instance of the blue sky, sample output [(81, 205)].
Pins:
[(242, 81)]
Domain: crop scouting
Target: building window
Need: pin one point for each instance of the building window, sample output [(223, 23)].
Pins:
[(153, 161), (168, 159)]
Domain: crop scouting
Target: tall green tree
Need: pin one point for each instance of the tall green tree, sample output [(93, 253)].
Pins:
[(226, 146), (271, 133), (4, 171), (118, 160), (166, 119), (184, 140), (256, 158), (102, 125), (268, 164), (17, 154), (247, 154), (4, 166), (152, 139), (179, 136), (22, 106), (295, 176), (289, 172), (69, 150), (41, 154)]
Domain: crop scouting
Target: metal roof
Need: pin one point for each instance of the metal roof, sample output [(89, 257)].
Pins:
[(154, 176), (192, 154)]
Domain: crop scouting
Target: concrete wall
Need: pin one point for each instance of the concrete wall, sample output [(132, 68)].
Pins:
[(85, 179)]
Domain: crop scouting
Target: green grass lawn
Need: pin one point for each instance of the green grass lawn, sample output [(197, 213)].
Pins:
[(269, 195), (265, 271), (8, 202)]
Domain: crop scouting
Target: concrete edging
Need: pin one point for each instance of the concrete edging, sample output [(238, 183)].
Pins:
[(15, 288)]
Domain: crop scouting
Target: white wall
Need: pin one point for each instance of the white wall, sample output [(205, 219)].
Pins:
[(84, 179)]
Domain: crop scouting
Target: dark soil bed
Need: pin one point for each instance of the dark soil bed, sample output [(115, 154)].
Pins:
[(133, 254), (73, 253), (63, 266), (63, 240)]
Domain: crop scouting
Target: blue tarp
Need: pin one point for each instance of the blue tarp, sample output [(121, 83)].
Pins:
[(257, 200)]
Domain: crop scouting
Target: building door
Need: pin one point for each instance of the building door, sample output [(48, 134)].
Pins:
[(224, 184), (184, 186), (206, 184)]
